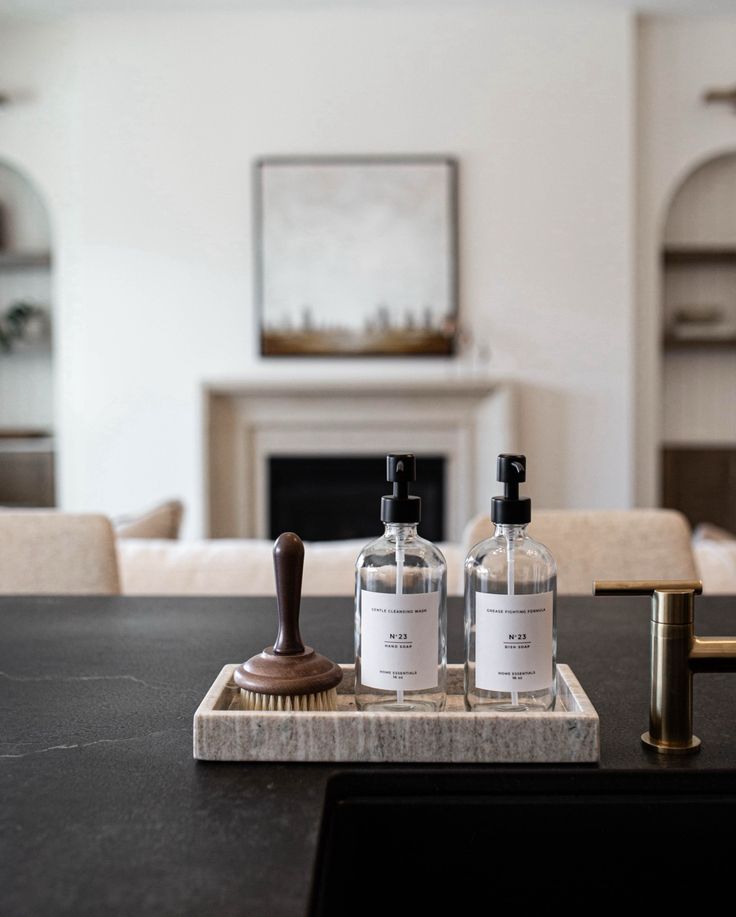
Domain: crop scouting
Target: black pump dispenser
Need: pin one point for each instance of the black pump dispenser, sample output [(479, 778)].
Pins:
[(511, 509), (400, 506)]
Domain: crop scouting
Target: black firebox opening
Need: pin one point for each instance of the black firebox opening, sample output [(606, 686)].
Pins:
[(335, 497)]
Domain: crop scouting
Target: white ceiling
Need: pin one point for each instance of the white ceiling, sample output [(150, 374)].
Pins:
[(61, 7)]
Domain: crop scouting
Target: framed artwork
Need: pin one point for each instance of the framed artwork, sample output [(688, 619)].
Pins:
[(356, 256)]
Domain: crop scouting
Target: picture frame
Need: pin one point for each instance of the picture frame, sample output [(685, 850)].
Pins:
[(356, 255)]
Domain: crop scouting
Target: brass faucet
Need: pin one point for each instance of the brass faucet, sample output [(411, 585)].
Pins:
[(676, 655)]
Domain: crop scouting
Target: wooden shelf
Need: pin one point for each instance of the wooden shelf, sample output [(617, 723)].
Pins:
[(24, 433), (676, 343), (12, 261), (699, 254)]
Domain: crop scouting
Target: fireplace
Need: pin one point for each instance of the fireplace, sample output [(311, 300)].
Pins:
[(252, 425), (328, 497)]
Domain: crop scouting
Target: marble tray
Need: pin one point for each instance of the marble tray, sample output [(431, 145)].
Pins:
[(569, 733)]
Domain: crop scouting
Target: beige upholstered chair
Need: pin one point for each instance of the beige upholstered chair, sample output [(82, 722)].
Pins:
[(607, 544), (45, 553)]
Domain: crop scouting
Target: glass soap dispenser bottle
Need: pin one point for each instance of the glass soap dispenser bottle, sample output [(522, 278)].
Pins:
[(510, 608), (401, 608)]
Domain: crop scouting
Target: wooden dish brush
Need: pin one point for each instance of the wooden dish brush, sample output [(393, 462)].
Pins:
[(288, 676)]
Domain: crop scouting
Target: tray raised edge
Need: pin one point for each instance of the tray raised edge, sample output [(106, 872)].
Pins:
[(454, 736)]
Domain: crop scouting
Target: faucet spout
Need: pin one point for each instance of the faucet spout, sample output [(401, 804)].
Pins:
[(713, 654)]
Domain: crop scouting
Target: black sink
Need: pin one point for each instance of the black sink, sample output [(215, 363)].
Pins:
[(534, 836)]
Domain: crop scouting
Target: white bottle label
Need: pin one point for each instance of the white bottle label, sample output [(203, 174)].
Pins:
[(513, 641), (398, 640)]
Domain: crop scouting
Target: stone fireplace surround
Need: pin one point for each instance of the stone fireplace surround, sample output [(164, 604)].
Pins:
[(468, 421)]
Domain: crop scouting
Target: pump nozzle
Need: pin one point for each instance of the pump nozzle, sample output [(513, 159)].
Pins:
[(510, 509), (401, 468)]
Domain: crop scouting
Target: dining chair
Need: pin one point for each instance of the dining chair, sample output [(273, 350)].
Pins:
[(606, 544), (45, 553)]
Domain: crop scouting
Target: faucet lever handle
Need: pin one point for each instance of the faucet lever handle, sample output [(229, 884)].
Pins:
[(673, 600), (646, 587)]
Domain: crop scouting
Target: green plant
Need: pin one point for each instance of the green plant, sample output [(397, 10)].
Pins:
[(15, 322)]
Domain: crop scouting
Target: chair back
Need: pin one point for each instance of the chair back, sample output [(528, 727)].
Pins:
[(606, 544), (55, 553)]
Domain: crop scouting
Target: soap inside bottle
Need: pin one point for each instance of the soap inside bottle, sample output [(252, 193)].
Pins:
[(510, 608), (400, 608), (401, 564), (508, 564)]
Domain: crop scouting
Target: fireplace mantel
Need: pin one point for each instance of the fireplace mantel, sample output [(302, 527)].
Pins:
[(467, 420)]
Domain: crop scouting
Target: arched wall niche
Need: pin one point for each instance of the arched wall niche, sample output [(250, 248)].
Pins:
[(698, 316), (27, 452)]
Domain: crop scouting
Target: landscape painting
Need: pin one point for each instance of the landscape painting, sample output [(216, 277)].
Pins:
[(356, 256)]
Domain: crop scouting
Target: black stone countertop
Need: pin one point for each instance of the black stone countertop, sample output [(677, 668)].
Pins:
[(103, 809)]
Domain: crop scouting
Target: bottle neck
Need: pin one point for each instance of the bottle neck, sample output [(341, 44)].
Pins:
[(511, 532), (400, 531)]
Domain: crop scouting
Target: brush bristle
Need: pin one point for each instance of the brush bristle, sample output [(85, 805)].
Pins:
[(322, 702)]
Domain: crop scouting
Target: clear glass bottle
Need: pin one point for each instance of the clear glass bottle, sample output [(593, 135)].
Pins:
[(401, 608), (510, 608)]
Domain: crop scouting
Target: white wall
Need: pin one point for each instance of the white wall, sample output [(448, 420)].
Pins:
[(162, 117), (679, 58)]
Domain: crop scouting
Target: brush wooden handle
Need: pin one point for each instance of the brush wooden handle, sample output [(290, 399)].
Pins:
[(288, 564), (288, 668)]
